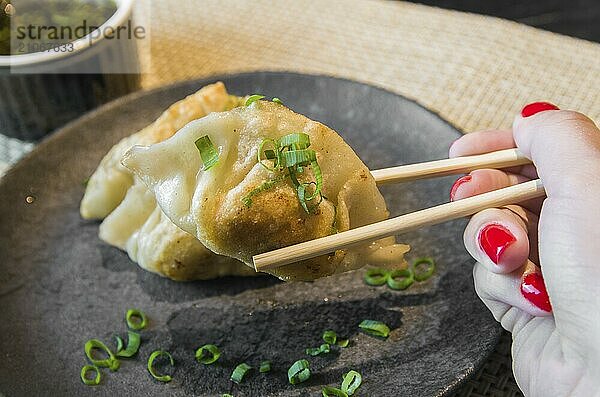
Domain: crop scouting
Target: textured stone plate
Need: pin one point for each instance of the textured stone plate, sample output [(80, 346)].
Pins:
[(60, 285)]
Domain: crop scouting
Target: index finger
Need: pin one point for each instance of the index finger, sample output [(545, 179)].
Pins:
[(489, 141)]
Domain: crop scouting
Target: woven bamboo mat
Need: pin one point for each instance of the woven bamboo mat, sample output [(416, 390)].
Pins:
[(475, 71)]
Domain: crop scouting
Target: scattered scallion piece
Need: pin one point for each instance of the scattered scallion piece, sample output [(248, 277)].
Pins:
[(265, 366), (329, 391), (375, 328), (343, 342), (208, 354), (376, 276), (352, 381), (208, 152), (240, 372), (253, 98), (136, 319), (133, 345), (277, 100), (299, 372), (315, 351), (84, 375), (400, 279), (119, 343), (111, 362), (330, 337), (154, 356), (422, 275), (226, 395)]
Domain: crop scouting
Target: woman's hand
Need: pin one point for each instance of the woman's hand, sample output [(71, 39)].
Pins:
[(538, 267)]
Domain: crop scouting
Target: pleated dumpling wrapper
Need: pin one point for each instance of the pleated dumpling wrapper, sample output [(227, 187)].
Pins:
[(108, 185), (133, 220), (239, 207)]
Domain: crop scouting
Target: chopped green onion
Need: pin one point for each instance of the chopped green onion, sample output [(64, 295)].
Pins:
[(208, 354), (329, 391), (330, 337), (343, 342), (299, 372), (352, 381), (247, 199), (270, 154), (400, 279), (208, 152), (119, 343), (304, 199), (111, 361), (253, 98), (265, 366), (422, 275), (154, 356), (316, 169), (375, 328), (240, 372), (301, 157), (277, 100), (133, 345), (315, 351), (291, 152), (297, 140), (132, 315), (376, 276), (90, 381), (226, 395)]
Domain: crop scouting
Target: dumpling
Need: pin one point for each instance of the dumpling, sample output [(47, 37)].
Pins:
[(134, 222), (139, 227), (108, 185), (240, 208)]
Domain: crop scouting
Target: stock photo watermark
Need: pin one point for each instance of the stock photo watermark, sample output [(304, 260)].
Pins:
[(75, 36)]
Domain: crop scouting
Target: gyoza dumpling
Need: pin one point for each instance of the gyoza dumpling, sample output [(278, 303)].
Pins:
[(108, 185), (139, 227), (239, 208), (135, 222)]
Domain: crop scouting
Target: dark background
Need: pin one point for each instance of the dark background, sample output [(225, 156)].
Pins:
[(577, 18)]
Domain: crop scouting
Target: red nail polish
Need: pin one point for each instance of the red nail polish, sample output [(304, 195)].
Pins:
[(534, 290), (537, 107), (494, 239), (459, 182)]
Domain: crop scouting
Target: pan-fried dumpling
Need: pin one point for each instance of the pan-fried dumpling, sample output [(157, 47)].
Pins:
[(240, 208), (108, 185), (135, 223), (139, 227)]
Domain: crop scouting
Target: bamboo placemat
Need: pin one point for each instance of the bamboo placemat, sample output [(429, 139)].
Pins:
[(475, 71)]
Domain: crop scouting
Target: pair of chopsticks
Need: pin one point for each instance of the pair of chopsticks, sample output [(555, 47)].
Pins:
[(415, 220)]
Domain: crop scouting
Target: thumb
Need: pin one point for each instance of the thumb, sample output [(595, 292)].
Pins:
[(565, 148)]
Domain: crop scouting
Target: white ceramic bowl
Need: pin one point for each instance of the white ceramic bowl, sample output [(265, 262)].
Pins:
[(41, 91)]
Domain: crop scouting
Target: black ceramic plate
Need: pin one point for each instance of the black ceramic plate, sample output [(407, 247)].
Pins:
[(60, 285)]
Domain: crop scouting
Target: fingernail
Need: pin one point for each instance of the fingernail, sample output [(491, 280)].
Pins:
[(534, 290), (494, 240), (536, 107), (459, 182)]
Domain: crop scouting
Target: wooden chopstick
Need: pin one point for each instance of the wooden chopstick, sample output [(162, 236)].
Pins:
[(401, 224), (460, 165)]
